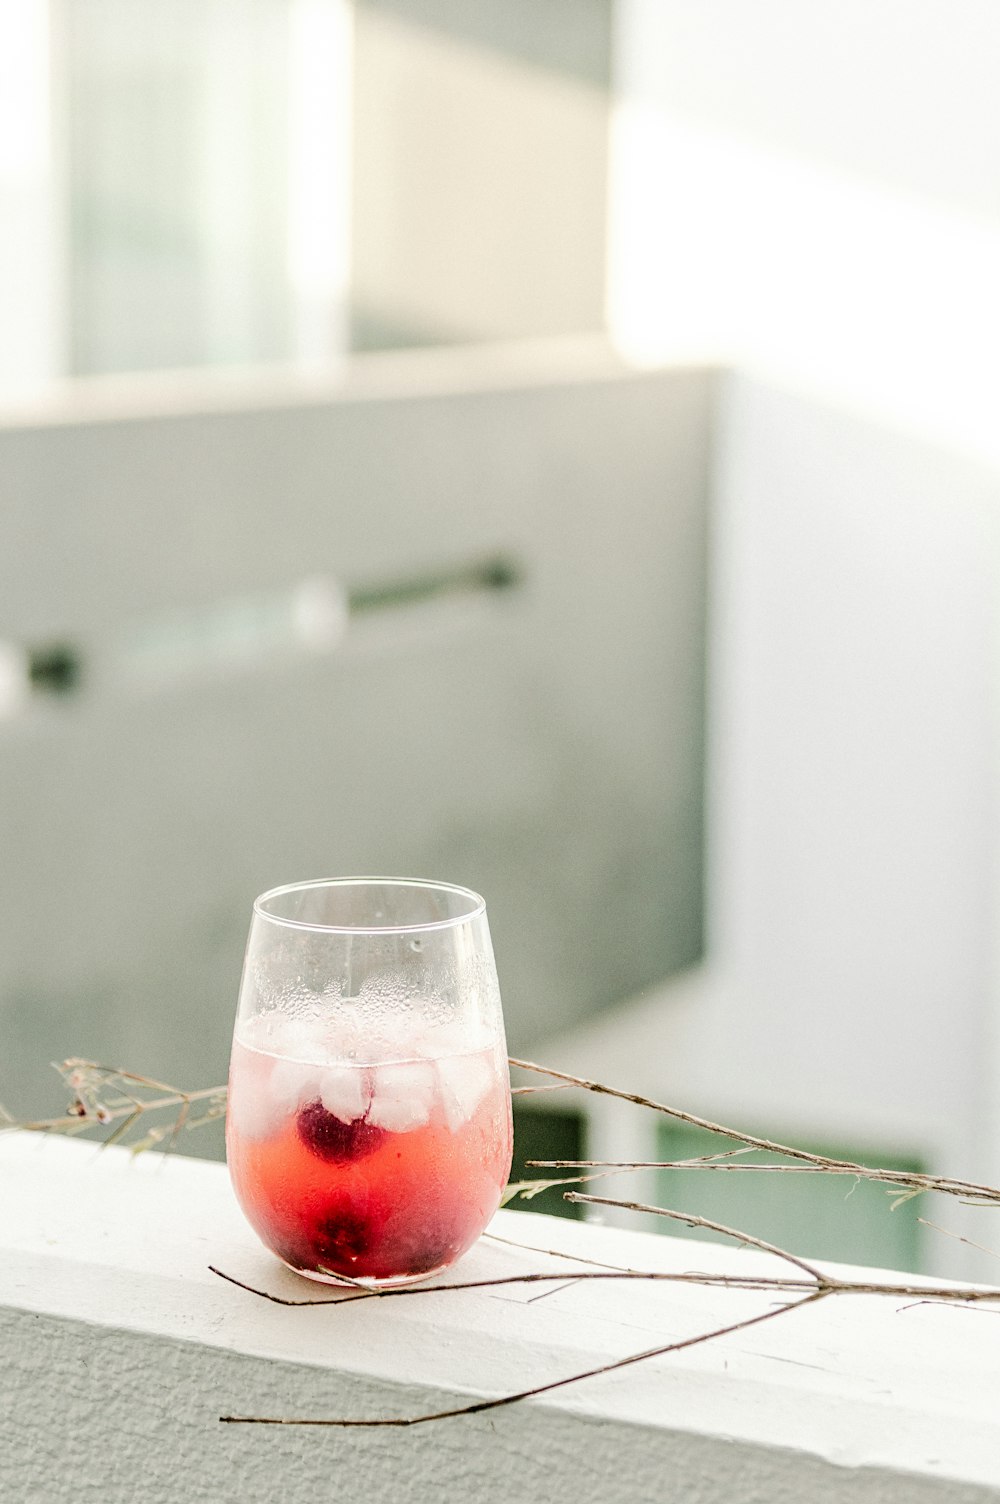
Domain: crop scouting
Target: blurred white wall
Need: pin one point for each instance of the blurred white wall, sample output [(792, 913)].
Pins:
[(812, 194), (814, 190), (854, 772), (849, 995)]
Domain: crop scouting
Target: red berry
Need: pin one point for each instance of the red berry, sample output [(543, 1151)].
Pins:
[(330, 1138), (342, 1237)]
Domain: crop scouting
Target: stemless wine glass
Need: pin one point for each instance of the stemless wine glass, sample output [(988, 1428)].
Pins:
[(368, 1131)]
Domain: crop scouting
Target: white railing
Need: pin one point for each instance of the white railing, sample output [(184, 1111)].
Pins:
[(122, 1350)]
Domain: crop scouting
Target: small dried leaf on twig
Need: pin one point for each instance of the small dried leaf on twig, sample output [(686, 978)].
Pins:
[(527, 1190)]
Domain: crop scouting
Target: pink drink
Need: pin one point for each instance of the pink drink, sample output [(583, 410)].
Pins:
[(350, 1160)]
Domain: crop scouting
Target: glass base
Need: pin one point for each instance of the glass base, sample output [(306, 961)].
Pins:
[(393, 1282)]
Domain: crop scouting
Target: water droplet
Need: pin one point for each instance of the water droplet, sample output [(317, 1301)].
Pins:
[(416, 944)]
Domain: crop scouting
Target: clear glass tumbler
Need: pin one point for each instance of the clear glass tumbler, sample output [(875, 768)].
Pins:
[(368, 1131)]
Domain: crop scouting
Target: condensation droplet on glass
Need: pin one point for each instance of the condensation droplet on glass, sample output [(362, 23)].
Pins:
[(416, 944)]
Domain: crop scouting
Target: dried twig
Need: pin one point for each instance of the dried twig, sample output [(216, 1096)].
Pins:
[(364, 1292), (102, 1095), (904, 1179), (556, 1253), (829, 1284), (822, 1283), (695, 1221), (959, 1238), (536, 1091)]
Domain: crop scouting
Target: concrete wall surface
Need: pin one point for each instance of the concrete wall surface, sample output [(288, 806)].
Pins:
[(122, 1349), (542, 743)]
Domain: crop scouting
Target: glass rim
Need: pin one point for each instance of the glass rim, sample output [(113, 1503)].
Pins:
[(427, 885)]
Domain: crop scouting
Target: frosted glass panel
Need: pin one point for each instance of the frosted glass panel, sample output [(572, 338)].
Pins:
[(177, 169), (248, 181)]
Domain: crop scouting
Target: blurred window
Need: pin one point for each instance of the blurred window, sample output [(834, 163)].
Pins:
[(246, 181), (819, 1216)]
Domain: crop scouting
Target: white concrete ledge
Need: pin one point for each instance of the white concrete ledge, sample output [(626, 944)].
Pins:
[(121, 1350)]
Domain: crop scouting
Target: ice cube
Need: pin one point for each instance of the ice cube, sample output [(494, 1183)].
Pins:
[(392, 1039), (402, 1096), (300, 1039), (453, 1037), (346, 1091), (250, 1109), (465, 1080), (292, 1084), (278, 1033), (251, 1116), (252, 1032)]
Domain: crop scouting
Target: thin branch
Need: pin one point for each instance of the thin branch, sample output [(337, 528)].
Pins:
[(76, 1072), (694, 1221), (723, 1161), (102, 1095), (969, 1242), (983, 1194), (904, 1179), (729, 1282), (557, 1253), (281, 1300), (826, 1284), (317, 1300), (481, 1406), (909, 1183), (535, 1091)]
